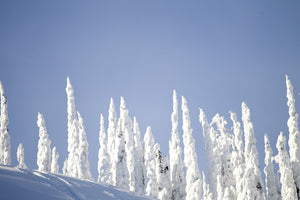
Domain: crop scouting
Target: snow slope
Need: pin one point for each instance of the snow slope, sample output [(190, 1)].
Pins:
[(16, 183)]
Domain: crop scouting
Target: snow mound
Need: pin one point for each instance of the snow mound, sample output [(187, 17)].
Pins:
[(16, 183)]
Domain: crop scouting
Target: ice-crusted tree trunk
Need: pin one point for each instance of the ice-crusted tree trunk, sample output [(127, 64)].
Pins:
[(209, 135), (139, 159), (150, 179), (83, 152), (271, 189), (294, 135), (193, 176), (119, 167), (162, 174), (5, 148), (288, 188), (129, 143), (111, 136), (175, 154), (54, 161), (103, 156), (72, 164), (207, 195), (237, 158), (253, 185), (44, 150), (20, 157)]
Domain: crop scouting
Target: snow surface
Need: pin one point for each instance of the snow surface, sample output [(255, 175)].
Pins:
[(16, 183)]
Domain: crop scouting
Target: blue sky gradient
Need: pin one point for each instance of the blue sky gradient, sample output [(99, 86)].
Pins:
[(215, 53)]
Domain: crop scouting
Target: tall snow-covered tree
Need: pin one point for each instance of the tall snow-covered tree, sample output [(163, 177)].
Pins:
[(162, 174), (20, 157), (207, 195), (139, 159), (193, 176), (271, 189), (83, 152), (175, 154), (103, 156), (5, 148), (150, 179), (253, 185), (294, 134), (129, 143), (44, 150), (54, 161), (73, 136), (288, 188)]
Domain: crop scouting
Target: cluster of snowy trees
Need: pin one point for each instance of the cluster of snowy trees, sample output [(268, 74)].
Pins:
[(136, 163)]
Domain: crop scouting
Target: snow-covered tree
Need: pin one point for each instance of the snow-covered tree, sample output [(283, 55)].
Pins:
[(175, 154), (193, 176), (294, 134), (129, 143), (271, 189), (103, 156), (73, 136), (139, 159), (253, 185), (44, 150), (119, 168), (20, 157), (5, 148), (288, 188), (83, 152), (54, 161), (207, 195), (162, 174), (150, 179)]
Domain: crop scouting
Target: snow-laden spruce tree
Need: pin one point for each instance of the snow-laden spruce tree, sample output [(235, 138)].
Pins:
[(129, 144), (288, 188), (139, 159), (175, 154), (103, 156), (150, 179), (271, 189), (207, 195), (237, 157), (253, 185), (210, 142), (83, 152), (54, 161), (193, 176), (294, 134), (44, 150), (119, 167), (162, 174), (111, 135), (5, 148), (20, 157), (71, 167)]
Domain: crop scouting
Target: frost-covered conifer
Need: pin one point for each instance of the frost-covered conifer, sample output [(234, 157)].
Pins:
[(162, 174), (54, 161), (271, 189), (253, 185), (193, 176), (294, 134), (175, 153), (5, 148), (83, 152), (207, 195), (20, 157), (150, 179), (129, 144), (229, 193), (44, 150), (73, 136), (103, 156), (288, 188), (139, 159)]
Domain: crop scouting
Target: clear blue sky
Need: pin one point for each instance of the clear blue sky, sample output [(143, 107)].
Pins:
[(215, 53)]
